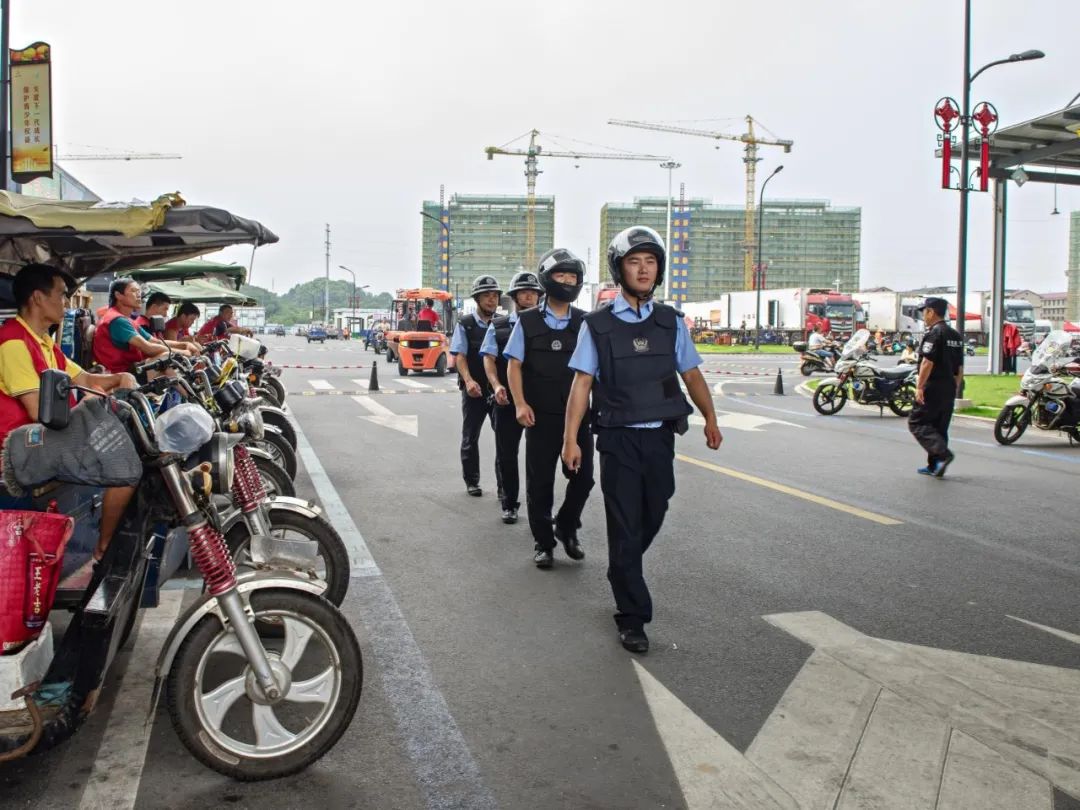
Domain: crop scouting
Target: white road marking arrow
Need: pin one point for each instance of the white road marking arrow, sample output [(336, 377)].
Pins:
[(869, 723), (750, 422), (381, 415)]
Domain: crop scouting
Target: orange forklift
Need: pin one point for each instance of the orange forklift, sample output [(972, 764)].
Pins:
[(415, 341)]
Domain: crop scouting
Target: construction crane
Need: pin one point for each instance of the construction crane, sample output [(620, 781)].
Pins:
[(119, 156), (750, 158), (531, 155)]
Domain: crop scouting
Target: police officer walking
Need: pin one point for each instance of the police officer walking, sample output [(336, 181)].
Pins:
[(538, 353), (475, 392), (941, 371), (525, 292), (629, 355)]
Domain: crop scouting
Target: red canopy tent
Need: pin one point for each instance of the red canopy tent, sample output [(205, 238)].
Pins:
[(1071, 327)]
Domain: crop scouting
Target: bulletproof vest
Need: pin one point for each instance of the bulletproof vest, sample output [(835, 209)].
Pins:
[(474, 336), (638, 379), (503, 328), (546, 375)]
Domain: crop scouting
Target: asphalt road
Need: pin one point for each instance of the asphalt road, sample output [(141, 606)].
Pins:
[(490, 683)]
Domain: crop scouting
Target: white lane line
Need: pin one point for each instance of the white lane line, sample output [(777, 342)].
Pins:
[(360, 559), (1065, 634), (114, 782), (409, 383), (445, 769), (321, 385)]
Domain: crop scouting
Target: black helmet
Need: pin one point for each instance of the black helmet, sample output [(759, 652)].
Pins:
[(632, 240), (561, 260), (524, 281), (484, 284)]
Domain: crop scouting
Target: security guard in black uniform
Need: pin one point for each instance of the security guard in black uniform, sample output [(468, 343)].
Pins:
[(525, 292), (476, 403), (629, 356), (539, 352), (941, 372)]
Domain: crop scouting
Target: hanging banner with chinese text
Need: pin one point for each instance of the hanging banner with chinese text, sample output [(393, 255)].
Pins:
[(31, 113)]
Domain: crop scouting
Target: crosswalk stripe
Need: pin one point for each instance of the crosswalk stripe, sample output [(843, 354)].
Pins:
[(321, 385), (409, 383)]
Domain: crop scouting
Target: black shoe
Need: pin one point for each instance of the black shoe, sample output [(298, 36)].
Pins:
[(543, 558), (474, 490), (509, 515), (941, 466), (570, 543), (634, 640)]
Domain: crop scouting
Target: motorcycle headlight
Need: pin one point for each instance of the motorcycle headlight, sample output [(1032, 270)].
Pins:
[(251, 422), (219, 455)]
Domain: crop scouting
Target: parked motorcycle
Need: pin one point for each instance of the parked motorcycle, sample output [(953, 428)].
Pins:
[(261, 674), (1046, 399), (250, 515), (859, 379), (376, 339)]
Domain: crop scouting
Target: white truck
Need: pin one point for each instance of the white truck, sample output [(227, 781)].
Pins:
[(790, 310), (891, 312)]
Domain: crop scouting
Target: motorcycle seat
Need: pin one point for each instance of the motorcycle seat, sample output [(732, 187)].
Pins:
[(898, 373)]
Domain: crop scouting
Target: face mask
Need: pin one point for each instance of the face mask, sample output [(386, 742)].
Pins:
[(564, 292)]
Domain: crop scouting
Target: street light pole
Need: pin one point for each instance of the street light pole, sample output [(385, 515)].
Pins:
[(670, 165), (351, 273), (965, 185), (758, 274)]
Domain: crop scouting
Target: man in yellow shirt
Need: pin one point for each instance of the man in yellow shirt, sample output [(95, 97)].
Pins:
[(27, 350)]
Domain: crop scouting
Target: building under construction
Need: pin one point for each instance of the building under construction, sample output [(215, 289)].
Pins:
[(807, 243), (487, 236)]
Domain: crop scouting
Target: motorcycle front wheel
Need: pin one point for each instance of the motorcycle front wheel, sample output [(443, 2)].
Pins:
[(332, 562), (1011, 424), (829, 398), (275, 443), (282, 423), (218, 709), (274, 479), (903, 401), (277, 386)]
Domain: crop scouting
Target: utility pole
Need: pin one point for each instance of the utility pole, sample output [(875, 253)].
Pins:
[(5, 80), (670, 165), (326, 296)]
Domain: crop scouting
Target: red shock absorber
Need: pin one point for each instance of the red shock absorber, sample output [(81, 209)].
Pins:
[(248, 490), (212, 556)]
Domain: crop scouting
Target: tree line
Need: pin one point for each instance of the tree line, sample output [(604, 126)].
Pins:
[(298, 304)]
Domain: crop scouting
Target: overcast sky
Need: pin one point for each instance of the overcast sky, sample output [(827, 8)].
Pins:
[(303, 113)]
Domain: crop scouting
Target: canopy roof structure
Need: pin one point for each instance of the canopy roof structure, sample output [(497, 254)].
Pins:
[(87, 238), (229, 274), (200, 291)]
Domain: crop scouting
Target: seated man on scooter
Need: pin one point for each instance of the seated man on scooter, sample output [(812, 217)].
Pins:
[(27, 350), (817, 345)]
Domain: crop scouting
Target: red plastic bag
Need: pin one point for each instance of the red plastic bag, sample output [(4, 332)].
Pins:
[(31, 551)]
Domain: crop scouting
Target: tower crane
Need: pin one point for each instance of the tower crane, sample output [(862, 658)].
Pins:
[(750, 158), (532, 155), (119, 156)]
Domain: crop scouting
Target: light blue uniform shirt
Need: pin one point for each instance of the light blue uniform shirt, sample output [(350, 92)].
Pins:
[(459, 344), (586, 360), (515, 346), (490, 346)]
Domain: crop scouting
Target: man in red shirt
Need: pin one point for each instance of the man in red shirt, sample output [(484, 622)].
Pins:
[(428, 313), (179, 328), (220, 326)]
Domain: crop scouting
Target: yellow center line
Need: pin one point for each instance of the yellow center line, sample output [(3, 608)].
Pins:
[(795, 493)]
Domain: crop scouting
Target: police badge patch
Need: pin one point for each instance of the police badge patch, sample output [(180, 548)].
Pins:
[(641, 344), (556, 345)]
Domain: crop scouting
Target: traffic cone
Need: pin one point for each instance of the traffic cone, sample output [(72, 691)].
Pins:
[(778, 388), (373, 383)]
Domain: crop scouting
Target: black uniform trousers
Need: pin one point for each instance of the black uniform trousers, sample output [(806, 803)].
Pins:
[(474, 410), (637, 477), (929, 422), (507, 442), (543, 447)]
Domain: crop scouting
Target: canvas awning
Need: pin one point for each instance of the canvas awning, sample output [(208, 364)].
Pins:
[(199, 291), (87, 238), (232, 275)]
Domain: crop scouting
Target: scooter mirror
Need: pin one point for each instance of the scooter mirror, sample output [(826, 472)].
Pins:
[(54, 399), (157, 325)]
